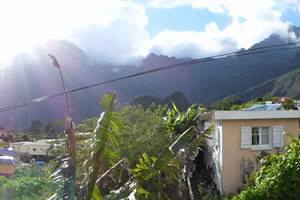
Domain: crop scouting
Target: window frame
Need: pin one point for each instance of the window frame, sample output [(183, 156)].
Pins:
[(261, 146)]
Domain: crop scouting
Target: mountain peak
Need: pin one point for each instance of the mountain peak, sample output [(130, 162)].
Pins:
[(153, 60), (295, 29), (275, 38)]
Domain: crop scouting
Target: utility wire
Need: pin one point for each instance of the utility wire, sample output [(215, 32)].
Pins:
[(258, 50)]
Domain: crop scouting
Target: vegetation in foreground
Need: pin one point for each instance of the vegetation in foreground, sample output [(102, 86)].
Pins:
[(28, 183), (130, 146), (128, 153), (277, 178)]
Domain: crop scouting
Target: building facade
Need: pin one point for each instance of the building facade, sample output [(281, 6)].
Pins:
[(37, 148), (7, 166), (240, 137)]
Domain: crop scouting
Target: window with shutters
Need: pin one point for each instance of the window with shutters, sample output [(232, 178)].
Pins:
[(278, 140), (261, 137)]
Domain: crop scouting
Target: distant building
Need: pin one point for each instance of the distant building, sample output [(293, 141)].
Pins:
[(6, 136), (290, 100), (37, 148), (9, 151), (7, 165), (241, 136)]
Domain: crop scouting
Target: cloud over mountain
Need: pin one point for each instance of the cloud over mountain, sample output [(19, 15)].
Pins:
[(109, 31), (115, 31), (251, 22)]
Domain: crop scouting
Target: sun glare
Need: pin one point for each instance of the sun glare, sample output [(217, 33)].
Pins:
[(27, 23), (24, 24)]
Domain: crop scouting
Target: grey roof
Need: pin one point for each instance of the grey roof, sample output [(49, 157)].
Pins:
[(8, 152), (261, 114), (45, 142), (7, 160), (261, 107)]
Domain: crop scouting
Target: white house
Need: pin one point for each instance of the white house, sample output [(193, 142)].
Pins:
[(37, 148)]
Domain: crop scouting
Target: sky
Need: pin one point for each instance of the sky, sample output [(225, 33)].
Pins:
[(121, 31)]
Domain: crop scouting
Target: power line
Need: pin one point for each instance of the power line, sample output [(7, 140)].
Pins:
[(258, 50), (207, 59)]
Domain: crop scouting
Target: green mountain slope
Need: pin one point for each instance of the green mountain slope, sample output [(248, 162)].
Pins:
[(285, 85), (178, 98)]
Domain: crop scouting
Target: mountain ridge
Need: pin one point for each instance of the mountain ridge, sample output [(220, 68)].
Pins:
[(285, 85), (33, 76)]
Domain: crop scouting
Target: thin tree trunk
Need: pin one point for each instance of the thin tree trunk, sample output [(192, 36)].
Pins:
[(68, 131), (70, 137)]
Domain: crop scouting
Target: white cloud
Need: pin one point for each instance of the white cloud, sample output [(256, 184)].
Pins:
[(295, 4), (211, 5), (193, 44), (252, 21), (119, 41), (114, 31)]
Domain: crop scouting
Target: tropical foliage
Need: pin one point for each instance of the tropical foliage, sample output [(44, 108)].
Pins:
[(145, 153), (142, 137), (157, 177), (28, 183), (165, 175), (143, 131), (278, 176), (177, 122), (103, 137)]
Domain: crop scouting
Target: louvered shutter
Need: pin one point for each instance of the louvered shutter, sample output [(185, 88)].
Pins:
[(245, 137), (278, 136)]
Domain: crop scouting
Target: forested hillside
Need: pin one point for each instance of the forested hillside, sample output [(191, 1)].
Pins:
[(285, 85), (178, 98)]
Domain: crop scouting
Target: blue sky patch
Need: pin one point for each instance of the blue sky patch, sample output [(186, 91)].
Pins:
[(291, 15), (183, 18)]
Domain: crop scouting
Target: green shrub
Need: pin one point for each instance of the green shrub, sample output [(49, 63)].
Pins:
[(278, 177), (28, 183)]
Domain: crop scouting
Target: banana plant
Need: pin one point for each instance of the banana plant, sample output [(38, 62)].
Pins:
[(155, 176), (103, 136), (161, 177), (177, 122)]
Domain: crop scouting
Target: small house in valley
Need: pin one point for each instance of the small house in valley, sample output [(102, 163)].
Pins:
[(240, 137), (39, 150), (7, 165), (8, 151)]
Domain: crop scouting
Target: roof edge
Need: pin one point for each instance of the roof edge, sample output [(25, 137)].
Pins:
[(234, 115)]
